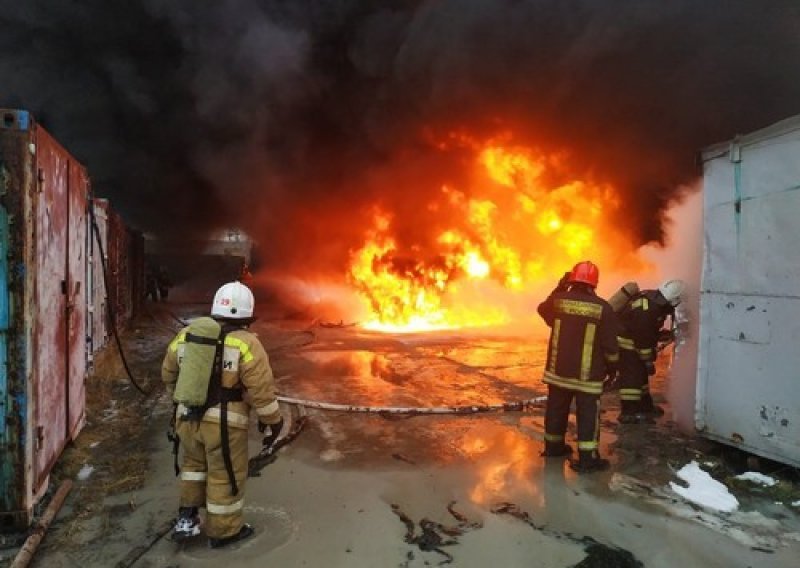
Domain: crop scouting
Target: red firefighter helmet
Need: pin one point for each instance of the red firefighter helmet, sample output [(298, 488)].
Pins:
[(585, 272)]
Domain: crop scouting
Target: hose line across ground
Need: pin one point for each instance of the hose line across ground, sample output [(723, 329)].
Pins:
[(517, 406)]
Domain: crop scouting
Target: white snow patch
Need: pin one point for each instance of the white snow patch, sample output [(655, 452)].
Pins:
[(758, 478), (331, 455), (110, 412), (704, 489), (749, 528), (94, 444), (85, 472), (795, 503)]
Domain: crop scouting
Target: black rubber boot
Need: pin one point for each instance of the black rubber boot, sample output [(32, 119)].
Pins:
[(628, 410), (647, 406), (556, 449), (244, 532), (589, 462), (187, 524), (632, 413), (652, 410)]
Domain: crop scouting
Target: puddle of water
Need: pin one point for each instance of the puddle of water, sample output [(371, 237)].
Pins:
[(274, 528), (420, 378)]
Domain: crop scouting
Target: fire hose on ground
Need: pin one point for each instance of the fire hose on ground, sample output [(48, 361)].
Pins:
[(517, 406), (268, 455)]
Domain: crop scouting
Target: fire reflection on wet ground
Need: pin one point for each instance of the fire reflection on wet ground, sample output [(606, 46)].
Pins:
[(419, 374), (489, 458), (347, 366)]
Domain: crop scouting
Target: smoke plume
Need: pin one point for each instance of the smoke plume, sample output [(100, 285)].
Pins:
[(292, 118)]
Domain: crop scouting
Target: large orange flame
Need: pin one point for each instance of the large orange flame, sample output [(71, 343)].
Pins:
[(515, 227)]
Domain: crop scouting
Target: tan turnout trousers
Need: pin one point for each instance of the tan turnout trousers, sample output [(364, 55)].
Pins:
[(210, 488)]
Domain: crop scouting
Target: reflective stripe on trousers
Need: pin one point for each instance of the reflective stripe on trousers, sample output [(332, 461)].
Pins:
[(202, 445)]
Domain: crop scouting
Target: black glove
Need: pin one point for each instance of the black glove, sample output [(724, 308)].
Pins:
[(665, 336), (274, 432), (563, 284), (651, 367)]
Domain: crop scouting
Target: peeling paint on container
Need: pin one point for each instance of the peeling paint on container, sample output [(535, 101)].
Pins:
[(43, 226), (749, 360), (99, 333), (124, 261), (126, 269)]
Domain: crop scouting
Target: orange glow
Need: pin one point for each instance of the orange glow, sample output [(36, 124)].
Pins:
[(503, 462), (511, 226)]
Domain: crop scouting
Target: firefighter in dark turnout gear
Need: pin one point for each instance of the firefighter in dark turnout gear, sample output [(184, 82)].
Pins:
[(582, 352), (214, 436), (641, 322)]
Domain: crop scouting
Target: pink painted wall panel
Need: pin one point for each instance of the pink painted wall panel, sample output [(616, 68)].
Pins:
[(50, 331), (77, 224), (59, 338)]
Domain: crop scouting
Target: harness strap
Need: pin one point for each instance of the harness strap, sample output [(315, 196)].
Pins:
[(225, 395), (230, 395), (226, 448), (176, 442), (192, 338), (172, 436)]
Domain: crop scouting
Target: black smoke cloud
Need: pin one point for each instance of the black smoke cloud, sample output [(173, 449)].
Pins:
[(272, 115)]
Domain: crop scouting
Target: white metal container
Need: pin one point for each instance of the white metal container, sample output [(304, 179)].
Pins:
[(748, 377)]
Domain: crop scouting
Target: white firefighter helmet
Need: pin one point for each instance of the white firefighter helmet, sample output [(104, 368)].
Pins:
[(673, 290), (233, 300)]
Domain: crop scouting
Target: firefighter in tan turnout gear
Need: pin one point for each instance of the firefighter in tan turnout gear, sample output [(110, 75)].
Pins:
[(642, 320), (582, 352), (208, 368)]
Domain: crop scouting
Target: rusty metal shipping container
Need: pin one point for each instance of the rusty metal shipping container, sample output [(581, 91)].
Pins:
[(748, 378), (123, 251), (43, 309), (97, 320), (125, 256)]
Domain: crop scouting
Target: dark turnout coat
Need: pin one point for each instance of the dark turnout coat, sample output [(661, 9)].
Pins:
[(583, 339), (641, 322)]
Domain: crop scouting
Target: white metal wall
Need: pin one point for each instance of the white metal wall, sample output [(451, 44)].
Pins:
[(748, 387), (99, 329)]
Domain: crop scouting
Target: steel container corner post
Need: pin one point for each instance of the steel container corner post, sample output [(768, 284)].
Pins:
[(9, 429)]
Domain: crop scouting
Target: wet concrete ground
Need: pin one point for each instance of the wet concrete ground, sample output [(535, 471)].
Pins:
[(338, 495)]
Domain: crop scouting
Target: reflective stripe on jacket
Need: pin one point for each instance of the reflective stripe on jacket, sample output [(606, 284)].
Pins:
[(641, 321), (583, 339)]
